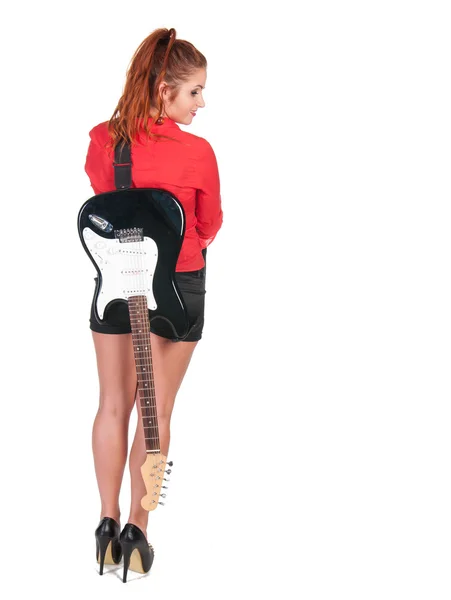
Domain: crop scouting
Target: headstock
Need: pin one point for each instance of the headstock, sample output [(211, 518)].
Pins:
[(153, 471)]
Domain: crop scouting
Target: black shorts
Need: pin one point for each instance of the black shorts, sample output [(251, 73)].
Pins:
[(192, 288)]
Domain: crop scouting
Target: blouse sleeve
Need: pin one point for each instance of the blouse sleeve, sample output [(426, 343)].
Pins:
[(99, 167), (208, 199)]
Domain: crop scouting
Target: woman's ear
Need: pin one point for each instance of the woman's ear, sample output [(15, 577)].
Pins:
[(163, 89)]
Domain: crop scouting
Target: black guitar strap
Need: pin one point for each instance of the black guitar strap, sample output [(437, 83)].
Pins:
[(122, 166)]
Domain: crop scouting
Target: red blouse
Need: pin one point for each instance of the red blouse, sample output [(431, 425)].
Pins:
[(188, 170)]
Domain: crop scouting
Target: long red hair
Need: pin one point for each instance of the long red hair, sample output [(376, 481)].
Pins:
[(160, 57)]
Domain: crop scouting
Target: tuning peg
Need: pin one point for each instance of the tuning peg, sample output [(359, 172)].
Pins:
[(170, 463), (162, 495), (168, 471), (165, 487), (162, 503), (164, 479)]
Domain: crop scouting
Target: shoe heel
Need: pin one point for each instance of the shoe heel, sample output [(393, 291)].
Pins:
[(102, 542), (127, 550), (137, 552)]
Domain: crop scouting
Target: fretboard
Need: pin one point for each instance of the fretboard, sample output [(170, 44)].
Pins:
[(139, 319)]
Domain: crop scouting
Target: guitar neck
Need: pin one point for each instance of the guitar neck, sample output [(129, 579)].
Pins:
[(139, 320)]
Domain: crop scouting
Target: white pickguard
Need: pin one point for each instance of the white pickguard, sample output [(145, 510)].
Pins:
[(127, 268)]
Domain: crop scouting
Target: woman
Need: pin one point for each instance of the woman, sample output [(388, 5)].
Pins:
[(164, 86)]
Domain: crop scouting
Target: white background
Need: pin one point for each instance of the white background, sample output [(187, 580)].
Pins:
[(310, 437)]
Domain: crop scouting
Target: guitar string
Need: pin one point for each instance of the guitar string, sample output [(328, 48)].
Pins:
[(136, 262), (139, 341), (139, 325), (135, 311), (143, 278), (140, 304), (148, 408), (153, 389), (147, 344)]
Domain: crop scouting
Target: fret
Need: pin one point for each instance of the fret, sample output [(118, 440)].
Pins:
[(152, 438)]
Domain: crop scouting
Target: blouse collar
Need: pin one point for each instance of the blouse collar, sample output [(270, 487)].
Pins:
[(162, 123)]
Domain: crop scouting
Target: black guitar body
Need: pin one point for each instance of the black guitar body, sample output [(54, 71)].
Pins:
[(146, 267)]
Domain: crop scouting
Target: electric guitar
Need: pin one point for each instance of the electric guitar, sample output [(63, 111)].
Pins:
[(133, 237)]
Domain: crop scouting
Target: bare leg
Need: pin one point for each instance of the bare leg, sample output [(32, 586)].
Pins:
[(170, 362), (117, 380)]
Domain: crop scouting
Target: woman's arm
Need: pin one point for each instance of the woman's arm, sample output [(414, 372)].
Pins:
[(98, 166), (208, 198)]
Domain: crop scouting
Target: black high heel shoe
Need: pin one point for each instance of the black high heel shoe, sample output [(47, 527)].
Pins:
[(138, 553), (108, 547)]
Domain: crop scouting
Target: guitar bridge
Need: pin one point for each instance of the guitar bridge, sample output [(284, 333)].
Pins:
[(135, 234)]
